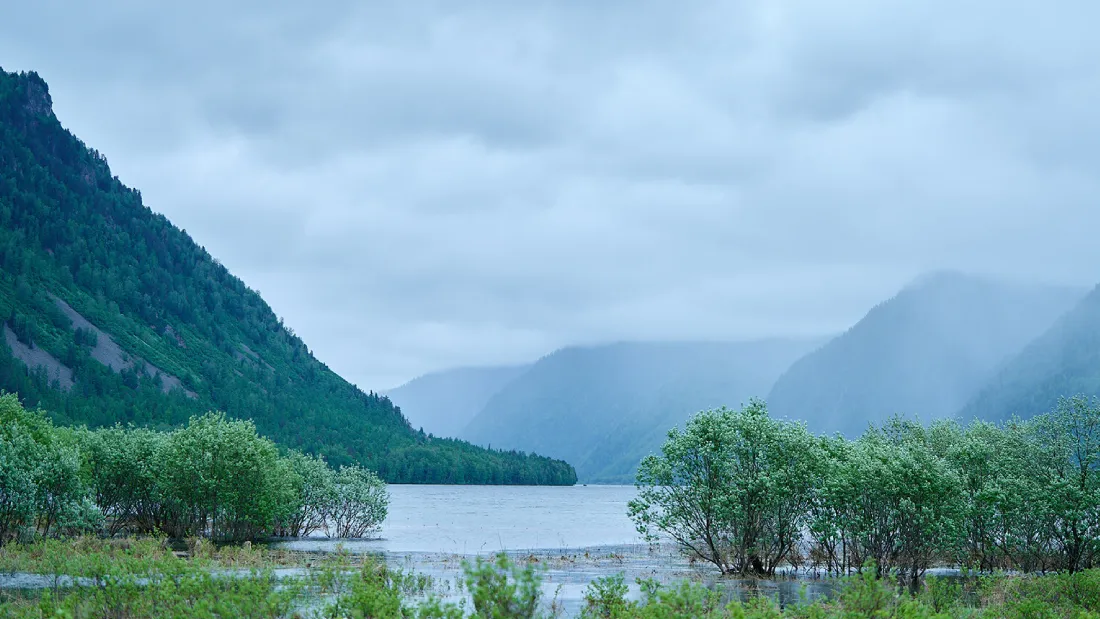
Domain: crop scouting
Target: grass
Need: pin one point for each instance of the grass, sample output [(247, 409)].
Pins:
[(139, 578)]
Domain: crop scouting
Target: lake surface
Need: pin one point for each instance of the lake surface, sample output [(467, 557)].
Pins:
[(576, 533), (488, 519), (573, 534)]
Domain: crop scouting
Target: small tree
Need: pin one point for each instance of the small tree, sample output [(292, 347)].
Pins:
[(359, 503), (315, 491), (19, 455), (226, 479), (734, 488), (32, 451)]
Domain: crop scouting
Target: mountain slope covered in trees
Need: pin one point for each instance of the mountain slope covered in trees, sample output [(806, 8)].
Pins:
[(442, 403), (604, 408), (1063, 361), (112, 314), (923, 353)]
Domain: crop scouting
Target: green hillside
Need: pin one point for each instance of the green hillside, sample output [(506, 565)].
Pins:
[(1063, 361), (923, 353), (604, 408), (112, 314)]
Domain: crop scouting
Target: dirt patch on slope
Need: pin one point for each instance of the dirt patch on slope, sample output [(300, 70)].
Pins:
[(110, 354), (38, 358)]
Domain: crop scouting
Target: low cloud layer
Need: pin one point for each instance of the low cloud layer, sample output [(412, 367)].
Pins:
[(417, 185)]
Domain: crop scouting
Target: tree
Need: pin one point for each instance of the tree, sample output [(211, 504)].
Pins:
[(359, 504), (227, 480), (315, 488), (40, 485), (122, 466), (734, 488), (19, 454), (1070, 439)]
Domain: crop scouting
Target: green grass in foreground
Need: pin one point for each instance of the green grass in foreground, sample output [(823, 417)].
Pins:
[(135, 579)]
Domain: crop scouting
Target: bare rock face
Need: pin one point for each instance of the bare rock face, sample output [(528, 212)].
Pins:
[(35, 357), (37, 101), (110, 354)]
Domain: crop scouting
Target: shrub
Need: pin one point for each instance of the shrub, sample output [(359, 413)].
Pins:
[(359, 502)]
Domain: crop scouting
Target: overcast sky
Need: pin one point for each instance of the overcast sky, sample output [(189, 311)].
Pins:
[(418, 185)]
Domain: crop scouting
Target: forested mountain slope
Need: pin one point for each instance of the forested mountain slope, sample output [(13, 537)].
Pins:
[(442, 403), (604, 408), (1062, 361), (923, 353), (112, 314)]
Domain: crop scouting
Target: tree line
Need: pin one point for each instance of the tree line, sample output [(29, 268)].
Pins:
[(749, 493), (214, 477)]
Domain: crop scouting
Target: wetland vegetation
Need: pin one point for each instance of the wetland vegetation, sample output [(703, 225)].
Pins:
[(104, 523)]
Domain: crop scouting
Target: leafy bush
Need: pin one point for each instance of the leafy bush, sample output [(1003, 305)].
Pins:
[(40, 485), (746, 492), (359, 504), (315, 490), (734, 488), (502, 589), (215, 477)]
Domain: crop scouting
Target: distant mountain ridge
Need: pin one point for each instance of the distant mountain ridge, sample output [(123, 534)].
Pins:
[(1063, 361), (924, 352), (111, 314), (442, 403), (603, 408)]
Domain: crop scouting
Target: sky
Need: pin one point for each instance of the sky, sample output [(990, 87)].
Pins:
[(419, 185)]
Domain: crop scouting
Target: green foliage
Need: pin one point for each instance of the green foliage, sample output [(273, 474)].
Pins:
[(605, 598), (226, 479), (72, 233), (501, 589), (124, 468), (214, 477), (745, 492), (734, 488), (41, 490), (18, 469), (142, 578), (316, 493), (359, 503)]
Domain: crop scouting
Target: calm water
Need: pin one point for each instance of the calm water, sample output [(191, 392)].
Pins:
[(577, 534), (489, 519)]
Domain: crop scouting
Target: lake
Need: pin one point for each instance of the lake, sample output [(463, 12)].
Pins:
[(577, 533), (574, 534), (489, 519)]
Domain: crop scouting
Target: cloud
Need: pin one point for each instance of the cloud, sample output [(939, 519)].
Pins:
[(415, 185)]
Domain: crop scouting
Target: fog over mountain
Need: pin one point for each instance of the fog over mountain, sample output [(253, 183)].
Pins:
[(442, 403), (603, 408), (417, 185), (922, 353), (1063, 361)]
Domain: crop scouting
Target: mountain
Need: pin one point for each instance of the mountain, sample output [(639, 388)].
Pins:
[(603, 408), (113, 315), (442, 403), (924, 352), (1062, 361)]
